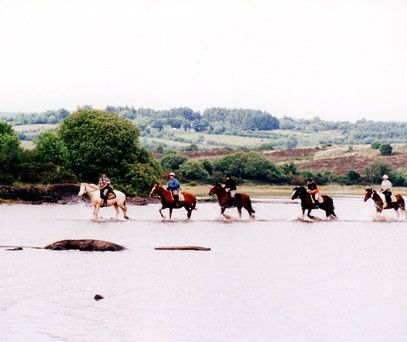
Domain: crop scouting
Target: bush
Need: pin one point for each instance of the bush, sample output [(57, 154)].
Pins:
[(141, 178), (250, 165), (375, 145), (192, 147), (353, 177), (172, 161), (193, 171), (385, 150), (207, 165), (47, 173)]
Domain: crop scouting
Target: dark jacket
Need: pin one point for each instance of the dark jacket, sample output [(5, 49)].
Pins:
[(312, 186), (230, 183)]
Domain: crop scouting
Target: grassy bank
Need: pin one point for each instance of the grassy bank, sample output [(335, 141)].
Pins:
[(286, 190)]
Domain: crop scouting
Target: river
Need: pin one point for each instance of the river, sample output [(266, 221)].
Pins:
[(272, 278)]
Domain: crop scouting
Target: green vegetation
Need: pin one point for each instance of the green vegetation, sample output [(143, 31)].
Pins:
[(386, 149)]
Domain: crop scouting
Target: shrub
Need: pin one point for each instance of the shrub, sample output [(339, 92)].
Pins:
[(375, 145), (172, 161), (386, 149), (193, 171), (207, 165)]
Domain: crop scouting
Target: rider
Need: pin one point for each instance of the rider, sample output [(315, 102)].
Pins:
[(173, 186), (386, 190), (313, 190), (230, 187), (105, 187)]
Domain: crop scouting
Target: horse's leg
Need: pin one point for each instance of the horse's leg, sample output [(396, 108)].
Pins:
[(161, 212), (188, 209), (170, 212), (222, 210), (309, 214), (124, 210), (96, 216), (116, 207), (239, 209)]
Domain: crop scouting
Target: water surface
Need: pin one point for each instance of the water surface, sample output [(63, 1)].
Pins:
[(274, 278)]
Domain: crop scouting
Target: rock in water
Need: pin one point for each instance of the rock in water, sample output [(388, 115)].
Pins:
[(15, 249), (85, 245), (97, 297)]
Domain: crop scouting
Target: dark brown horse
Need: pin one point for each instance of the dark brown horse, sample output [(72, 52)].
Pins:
[(379, 204), (242, 200), (307, 204), (189, 202)]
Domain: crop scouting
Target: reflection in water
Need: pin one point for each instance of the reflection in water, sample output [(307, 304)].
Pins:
[(268, 279)]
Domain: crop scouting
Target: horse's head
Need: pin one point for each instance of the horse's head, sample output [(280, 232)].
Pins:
[(82, 190), (155, 190), (296, 193), (368, 194), (214, 190)]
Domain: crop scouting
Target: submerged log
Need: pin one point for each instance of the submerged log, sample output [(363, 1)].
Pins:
[(85, 245), (183, 248)]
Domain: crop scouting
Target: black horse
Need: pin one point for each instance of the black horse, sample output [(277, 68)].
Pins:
[(307, 204)]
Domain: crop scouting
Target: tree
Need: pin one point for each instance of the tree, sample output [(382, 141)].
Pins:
[(172, 161), (353, 176), (386, 149), (100, 141), (193, 171), (141, 177), (49, 148), (10, 154)]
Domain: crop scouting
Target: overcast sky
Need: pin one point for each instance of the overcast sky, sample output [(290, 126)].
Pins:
[(340, 60)]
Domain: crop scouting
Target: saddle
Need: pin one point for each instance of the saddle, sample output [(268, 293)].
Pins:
[(111, 195), (180, 196), (392, 197)]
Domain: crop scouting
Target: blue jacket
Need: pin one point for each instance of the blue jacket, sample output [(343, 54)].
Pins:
[(173, 184)]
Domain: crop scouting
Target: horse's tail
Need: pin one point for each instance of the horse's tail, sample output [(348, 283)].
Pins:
[(401, 202), (250, 205), (194, 205), (124, 203), (330, 206)]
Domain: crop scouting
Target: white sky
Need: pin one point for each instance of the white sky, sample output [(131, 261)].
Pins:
[(337, 59)]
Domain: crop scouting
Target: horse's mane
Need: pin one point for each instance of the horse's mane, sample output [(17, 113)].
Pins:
[(93, 186)]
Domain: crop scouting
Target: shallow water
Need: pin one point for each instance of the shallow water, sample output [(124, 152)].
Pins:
[(274, 278)]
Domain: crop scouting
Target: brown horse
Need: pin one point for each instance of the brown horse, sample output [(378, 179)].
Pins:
[(379, 204), (189, 202), (242, 200)]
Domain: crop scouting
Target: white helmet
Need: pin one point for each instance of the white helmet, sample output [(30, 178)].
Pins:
[(172, 174), (385, 177)]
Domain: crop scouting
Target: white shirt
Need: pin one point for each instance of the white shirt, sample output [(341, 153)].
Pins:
[(386, 185)]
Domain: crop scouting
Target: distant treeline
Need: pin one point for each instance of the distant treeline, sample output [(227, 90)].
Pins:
[(240, 122), (360, 132)]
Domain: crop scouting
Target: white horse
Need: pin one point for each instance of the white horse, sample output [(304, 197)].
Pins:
[(94, 194)]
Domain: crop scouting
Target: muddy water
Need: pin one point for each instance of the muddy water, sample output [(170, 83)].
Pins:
[(274, 278)]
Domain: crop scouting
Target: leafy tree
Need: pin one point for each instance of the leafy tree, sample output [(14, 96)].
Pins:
[(47, 173), (172, 161), (10, 153), (160, 149), (193, 171), (207, 165), (377, 170), (141, 178), (51, 149), (386, 149), (192, 147), (100, 141)]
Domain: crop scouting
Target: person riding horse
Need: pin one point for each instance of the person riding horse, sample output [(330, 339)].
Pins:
[(105, 187), (386, 190), (173, 186), (313, 190), (230, 187)]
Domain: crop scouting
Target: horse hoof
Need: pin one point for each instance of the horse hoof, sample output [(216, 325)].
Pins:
[(126, 217)]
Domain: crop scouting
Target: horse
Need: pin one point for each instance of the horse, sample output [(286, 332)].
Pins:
[(379, 204), (93, 192), (241, 200), (189, 201), (307, 204)]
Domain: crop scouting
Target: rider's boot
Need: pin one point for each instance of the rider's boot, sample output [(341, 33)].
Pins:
[(176, 200)]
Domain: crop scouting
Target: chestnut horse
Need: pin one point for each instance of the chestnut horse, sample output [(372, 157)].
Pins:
[(189, 202), (379, 204), (242, 200), (307, 204)]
